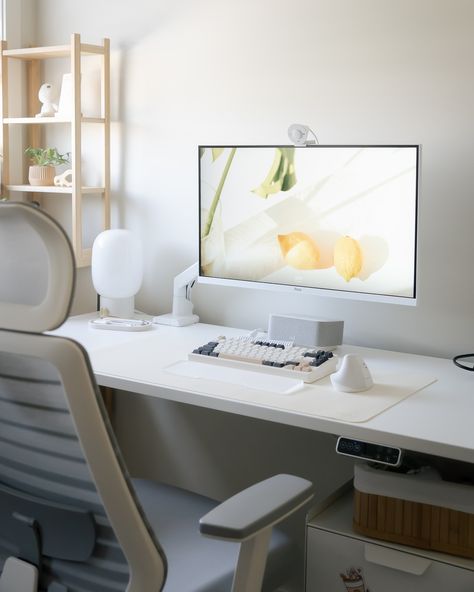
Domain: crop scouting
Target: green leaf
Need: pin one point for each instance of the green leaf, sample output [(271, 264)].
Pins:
[(217, 195), (281, 176), (47, 156), (216, 152)]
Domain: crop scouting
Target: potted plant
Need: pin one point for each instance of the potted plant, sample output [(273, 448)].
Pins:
[(43, 162)]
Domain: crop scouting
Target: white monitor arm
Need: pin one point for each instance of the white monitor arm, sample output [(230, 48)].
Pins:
[(182, 313)]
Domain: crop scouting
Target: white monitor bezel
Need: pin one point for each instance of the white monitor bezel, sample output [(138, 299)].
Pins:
[(325, 292)]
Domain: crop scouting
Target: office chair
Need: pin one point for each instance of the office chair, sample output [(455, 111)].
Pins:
[(71, 519)]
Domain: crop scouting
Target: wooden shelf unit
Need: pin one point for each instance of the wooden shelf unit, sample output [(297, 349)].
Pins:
[(33, 58)]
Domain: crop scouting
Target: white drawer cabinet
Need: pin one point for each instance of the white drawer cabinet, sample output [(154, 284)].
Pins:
[(339, 560)]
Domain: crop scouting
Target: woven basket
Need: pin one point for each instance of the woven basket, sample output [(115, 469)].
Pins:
[(414, 524)]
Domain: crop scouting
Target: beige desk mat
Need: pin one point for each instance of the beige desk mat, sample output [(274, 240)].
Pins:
[(360, 407), (320, 399)]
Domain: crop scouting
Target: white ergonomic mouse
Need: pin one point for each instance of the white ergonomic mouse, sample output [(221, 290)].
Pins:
[(353, 376)]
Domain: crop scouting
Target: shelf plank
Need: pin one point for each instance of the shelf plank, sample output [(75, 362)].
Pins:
[(53, 189), (55, 51), (44, 120), (31, 53), (39, 120)]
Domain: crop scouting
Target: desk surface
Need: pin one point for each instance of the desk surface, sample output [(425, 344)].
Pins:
[(436, 420)]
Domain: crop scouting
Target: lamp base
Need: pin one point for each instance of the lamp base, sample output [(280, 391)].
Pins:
[(176, 320), (116, 324)]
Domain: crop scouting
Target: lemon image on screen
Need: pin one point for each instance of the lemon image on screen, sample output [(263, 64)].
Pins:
[(299, 250), (347, 257)]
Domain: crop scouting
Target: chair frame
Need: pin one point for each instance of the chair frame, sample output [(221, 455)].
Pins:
[(246, 518)]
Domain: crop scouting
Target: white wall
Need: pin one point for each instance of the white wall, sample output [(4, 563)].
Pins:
[(239, 71)]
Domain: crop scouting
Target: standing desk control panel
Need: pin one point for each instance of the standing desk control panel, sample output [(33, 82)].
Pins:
[(369, 451)]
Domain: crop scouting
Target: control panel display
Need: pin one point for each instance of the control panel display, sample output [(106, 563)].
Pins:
[(369, 451)]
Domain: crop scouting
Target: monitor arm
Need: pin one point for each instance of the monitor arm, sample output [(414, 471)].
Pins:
[(182, 313)]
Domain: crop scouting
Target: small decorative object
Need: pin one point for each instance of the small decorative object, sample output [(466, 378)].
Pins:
[(48, 96), (43, 162), (64, 110), (90, 95), (354, 580), (64, 180), (117, 272)]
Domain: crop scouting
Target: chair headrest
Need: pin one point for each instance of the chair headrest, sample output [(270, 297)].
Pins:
[(37, 269)]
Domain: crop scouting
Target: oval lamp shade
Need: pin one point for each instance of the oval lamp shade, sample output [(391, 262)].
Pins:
[(117, 271)]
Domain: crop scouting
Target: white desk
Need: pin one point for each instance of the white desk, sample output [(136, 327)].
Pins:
[(437, 420)]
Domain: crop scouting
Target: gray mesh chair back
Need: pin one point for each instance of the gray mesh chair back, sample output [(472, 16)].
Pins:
[(55, 442)]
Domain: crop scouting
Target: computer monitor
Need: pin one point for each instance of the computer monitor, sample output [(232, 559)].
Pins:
[(330, 220)]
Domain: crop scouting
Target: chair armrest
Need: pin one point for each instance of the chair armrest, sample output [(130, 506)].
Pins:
[(258, 507)]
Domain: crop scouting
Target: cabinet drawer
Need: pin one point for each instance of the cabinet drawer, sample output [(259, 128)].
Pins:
[(340, 560), (332, 556)]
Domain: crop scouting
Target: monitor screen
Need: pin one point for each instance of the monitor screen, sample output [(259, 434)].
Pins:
[(339, 220)]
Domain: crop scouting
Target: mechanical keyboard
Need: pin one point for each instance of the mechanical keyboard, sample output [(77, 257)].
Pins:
[(274, 357)]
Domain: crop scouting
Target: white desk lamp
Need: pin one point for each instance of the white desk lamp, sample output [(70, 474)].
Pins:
[(117, 271), (182, 313), (298, 134)]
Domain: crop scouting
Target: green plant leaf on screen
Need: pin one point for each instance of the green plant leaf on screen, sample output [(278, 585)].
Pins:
[(216, 152), (281, 176), (217, 195)]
